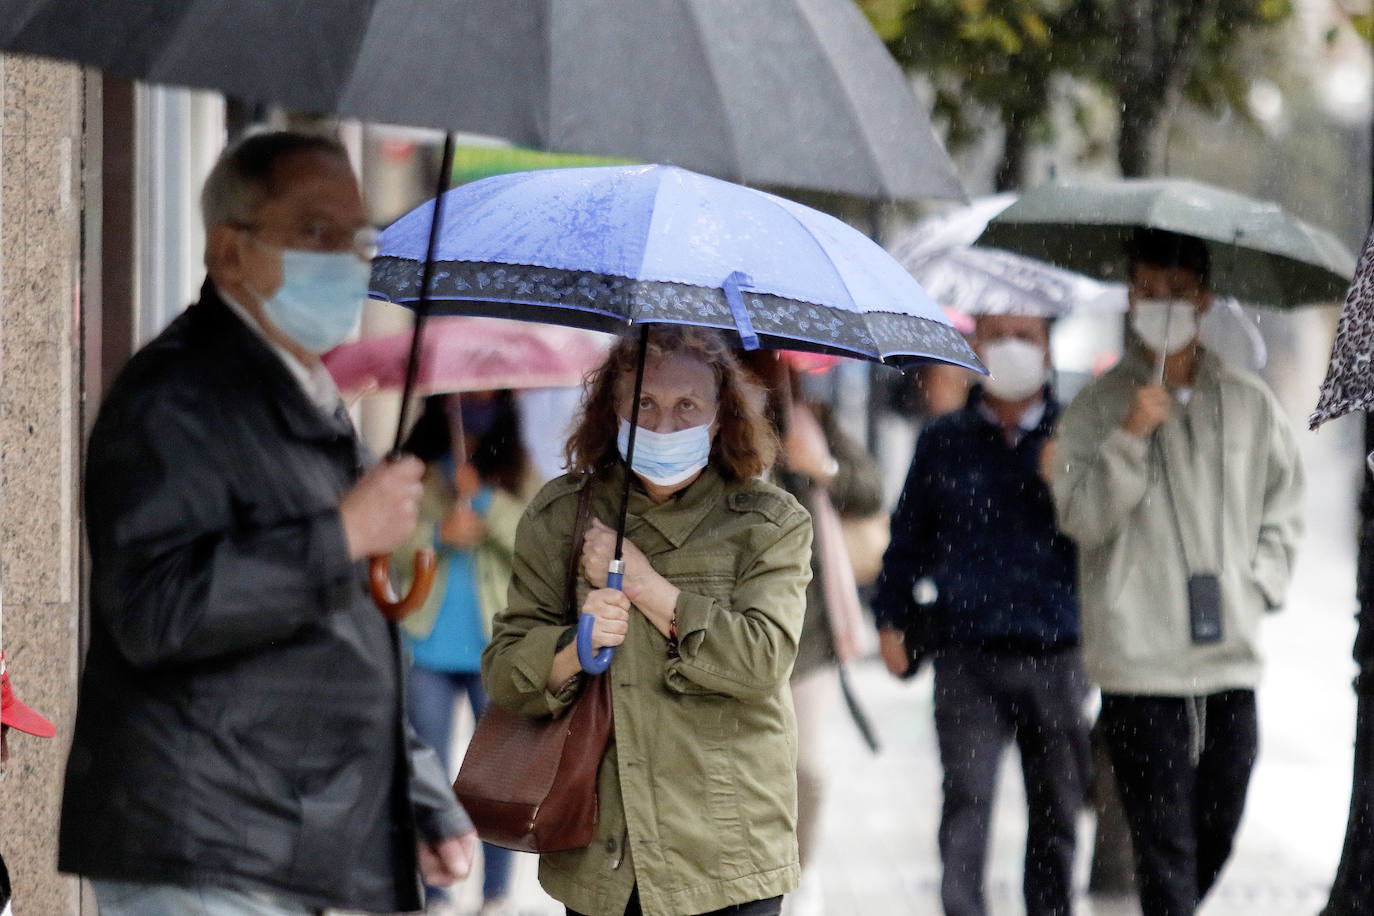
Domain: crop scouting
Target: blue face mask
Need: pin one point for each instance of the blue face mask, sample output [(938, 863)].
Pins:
[(321, 297), (667, 459)]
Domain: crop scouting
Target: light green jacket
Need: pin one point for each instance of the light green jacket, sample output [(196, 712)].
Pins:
[(1113, 490), (493, 554), (698, 788)]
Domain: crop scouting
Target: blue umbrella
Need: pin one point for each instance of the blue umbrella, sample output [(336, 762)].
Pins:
[(612, 248)]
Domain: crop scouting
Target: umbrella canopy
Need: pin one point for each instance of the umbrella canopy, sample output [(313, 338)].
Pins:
[(615, 247), (607, 248), (794, 93), (1349, 383), (939, 253), (471, 354), (1260, 254)]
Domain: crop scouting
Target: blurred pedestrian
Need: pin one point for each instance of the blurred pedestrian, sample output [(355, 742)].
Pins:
[(17, 715), (240, 744), (697, 788), (818, 462), (1179, 478), (476, 485), (979, 575)]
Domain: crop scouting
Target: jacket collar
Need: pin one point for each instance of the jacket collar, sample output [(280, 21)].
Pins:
[(1044, 427), (259, 365), (682, 514)]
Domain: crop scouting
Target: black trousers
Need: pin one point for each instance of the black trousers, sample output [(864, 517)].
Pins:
[(1183, 813), (983, 702), (769, 907)]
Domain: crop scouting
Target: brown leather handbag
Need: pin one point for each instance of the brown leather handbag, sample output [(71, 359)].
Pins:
[(530, 784)]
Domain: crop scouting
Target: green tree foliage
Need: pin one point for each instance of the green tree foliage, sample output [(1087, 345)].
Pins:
[(997, 61)]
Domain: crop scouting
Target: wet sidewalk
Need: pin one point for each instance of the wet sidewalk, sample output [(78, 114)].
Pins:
[(879, 850)]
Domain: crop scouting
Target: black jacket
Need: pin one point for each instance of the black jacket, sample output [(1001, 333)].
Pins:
[(240, 716), (976, 518)]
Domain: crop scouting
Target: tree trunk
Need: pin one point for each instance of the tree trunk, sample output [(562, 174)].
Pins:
[(1352, 893), (1160, 45), (1011, 170), (1135, 151)]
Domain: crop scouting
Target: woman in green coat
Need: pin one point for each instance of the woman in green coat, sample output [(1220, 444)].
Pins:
[(697, 789)]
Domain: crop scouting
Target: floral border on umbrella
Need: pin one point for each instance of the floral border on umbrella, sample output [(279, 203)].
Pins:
[(610, 303)]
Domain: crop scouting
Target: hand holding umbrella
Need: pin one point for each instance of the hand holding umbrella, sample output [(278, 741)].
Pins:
[(378, 514), (608, 560), (463, 527)]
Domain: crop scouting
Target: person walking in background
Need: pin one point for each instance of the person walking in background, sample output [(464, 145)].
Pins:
[(1184, 498), (240, 743), (14, 714), (697, 787), (979, 575), (818, 461), (476, 484)]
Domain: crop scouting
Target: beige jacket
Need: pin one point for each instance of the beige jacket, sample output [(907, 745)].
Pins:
[(1222, 471), (698, 788)]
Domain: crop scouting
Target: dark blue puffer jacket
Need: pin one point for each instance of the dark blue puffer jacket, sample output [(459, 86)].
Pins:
[(976, 518)]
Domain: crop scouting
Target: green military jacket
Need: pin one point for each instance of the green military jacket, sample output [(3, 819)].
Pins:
[(698, 788)]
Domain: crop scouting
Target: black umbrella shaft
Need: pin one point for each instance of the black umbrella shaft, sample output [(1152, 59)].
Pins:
[(630, 442), (422, 306)]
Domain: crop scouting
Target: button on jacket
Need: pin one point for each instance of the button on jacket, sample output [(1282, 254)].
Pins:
[(239, 720), (700, 778)]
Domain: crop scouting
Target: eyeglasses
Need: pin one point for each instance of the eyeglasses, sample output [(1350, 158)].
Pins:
[(319, 235)]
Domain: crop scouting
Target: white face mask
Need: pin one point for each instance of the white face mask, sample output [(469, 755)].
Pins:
[(667, 459), (1016, 368), (1152, 319)]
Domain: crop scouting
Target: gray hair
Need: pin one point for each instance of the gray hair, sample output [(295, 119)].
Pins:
[(243, 177)]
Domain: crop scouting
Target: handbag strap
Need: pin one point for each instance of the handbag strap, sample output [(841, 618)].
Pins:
[(583, 518)]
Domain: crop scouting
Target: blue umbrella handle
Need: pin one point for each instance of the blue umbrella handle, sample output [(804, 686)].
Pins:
[(598, 661)]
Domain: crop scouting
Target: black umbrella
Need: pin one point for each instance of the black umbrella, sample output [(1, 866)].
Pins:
[(791, 93), (798, 93)]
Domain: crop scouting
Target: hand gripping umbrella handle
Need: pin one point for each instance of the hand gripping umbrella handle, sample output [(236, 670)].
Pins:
[(598, 661), (384, 596)]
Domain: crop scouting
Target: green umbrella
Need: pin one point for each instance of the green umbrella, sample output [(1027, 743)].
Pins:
[(1260, 254)]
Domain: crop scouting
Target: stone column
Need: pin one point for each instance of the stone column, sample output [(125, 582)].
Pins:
[(41, 211)]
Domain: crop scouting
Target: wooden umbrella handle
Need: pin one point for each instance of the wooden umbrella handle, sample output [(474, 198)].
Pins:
[(384, 596)]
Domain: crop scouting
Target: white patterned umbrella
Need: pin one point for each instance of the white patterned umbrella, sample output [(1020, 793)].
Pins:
[(939, 253)]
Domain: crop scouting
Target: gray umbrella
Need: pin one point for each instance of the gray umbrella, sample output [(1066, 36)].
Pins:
[(793, 93), (1260, 254)]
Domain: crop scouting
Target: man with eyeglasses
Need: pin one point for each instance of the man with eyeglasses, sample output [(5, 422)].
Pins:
[(239, 744), (1178, 477)]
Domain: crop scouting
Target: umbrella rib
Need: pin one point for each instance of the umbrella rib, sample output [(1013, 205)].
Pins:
[(868, 147), (736, 163), (854, 306)]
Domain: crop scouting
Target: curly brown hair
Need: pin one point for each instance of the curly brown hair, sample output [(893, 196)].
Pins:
[(745, 445)]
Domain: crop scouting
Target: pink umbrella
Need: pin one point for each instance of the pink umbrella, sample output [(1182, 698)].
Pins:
[(471, 354)]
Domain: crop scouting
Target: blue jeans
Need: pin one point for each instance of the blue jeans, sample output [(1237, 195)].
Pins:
[(430, 699), (136, 898)]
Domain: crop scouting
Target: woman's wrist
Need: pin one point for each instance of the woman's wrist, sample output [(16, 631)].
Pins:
[(657, 601)]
